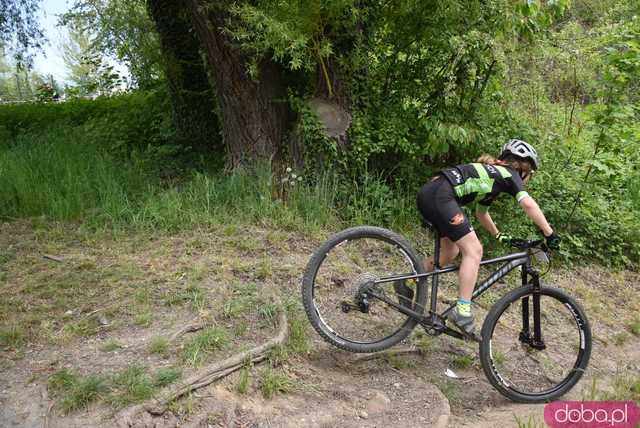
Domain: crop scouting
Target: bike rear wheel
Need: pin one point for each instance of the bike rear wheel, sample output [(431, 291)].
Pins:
[(348, 263), (522, 368)]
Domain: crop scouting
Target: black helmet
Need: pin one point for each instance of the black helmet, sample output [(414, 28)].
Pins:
[(521, 149)]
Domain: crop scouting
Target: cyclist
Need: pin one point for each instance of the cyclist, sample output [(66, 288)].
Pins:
[(439, 202)]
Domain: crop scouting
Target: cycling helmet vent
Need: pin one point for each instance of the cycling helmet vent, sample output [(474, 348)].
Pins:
[(521, 149)]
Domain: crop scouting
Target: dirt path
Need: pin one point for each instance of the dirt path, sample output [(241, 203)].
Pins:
[(152, 285), (603, 369)]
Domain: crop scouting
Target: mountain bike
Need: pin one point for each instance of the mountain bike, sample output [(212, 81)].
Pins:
[(535, 340)]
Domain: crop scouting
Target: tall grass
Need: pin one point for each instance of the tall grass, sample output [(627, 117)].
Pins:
[(99, 162), (64, 174)]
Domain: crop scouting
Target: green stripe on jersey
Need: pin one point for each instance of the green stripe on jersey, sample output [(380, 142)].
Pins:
[(504, 172), (481, 185)]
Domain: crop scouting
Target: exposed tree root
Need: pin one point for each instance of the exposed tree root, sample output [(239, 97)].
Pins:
[(357, 358), (195, 325), (204, 377)]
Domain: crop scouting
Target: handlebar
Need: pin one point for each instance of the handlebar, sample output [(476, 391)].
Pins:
[(525, 244), (541, 255)]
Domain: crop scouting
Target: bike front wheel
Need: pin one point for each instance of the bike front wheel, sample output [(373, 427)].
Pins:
[(536, 344), (341, 272)]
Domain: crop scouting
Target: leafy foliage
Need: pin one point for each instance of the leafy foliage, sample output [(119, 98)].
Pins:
[(427, 84), (123, 30), (20, 83), (19, 29), (90, 74)]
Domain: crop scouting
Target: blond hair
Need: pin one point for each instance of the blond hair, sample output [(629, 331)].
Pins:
[(523, 166)]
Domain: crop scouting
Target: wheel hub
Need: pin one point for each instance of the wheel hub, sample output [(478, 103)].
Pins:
[(361, 286)]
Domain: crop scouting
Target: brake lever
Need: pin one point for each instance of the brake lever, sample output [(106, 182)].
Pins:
[(520, 244)]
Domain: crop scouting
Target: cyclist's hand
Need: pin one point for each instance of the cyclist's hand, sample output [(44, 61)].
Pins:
[(503, 238), (553, 241)]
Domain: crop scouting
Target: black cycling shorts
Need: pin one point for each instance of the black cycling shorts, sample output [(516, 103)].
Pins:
[(437, 204)]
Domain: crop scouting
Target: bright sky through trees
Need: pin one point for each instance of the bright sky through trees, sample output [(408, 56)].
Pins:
[(50, 62)]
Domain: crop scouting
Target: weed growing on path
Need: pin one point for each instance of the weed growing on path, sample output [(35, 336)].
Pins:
[(531, 422), (274, 381), (75, 392), (209, 340), (134, 384), (159, 345), (242, 385), (110, 346), (11, 337)]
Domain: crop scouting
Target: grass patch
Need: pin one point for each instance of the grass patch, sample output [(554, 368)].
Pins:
[(166, 376), (131, 385), (192, 294), (83, 328), (498, 358), (590, 393), (243, 381), (159, 345), (142, 296), (531, 422), (462, 361), (240, 327), (634, 327), (243, 298), (620, 339), (423, 342), (12, 337), (451, 390), (626, 386), (76, 392), (274, 381), (298, 340), (6, 255), (398, 362), (144, 319), (268, 312), (278, 355), (110, 346), (264, 270), (202, 345), (55, 174)]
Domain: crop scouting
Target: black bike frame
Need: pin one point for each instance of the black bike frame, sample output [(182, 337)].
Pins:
[(511, 262), (434, 320)]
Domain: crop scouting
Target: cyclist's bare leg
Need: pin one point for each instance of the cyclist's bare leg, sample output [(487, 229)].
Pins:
[(448, 252), (471, 250)]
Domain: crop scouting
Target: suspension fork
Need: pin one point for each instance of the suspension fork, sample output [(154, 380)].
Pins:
[(536, 341)]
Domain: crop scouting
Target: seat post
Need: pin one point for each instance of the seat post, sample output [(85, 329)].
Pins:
[(436, 265)]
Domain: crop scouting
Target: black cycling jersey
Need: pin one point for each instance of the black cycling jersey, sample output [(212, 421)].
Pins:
[(483, 183)]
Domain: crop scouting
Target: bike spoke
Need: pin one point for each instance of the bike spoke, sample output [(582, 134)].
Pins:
[(337, 282), (525, 368)]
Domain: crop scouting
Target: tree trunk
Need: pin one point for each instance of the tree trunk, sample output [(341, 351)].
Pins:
[(192, 97), (254, 115)]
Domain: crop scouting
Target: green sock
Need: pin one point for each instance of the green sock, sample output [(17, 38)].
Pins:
[(463, 307)]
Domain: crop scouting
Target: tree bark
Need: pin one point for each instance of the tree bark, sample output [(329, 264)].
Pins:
[(192, 97), (254, 115)]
